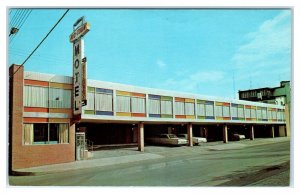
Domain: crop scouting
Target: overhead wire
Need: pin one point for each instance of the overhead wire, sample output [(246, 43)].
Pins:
[(40, 43), (23, 20)]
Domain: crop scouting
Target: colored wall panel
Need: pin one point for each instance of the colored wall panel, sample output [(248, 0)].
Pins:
[(219, 103), (180, 116), (235, 118), (247, 106), (123, 93), (201, 101), (102, 90), (90, 89), (201, 117), (226, 118), (226, 104), (248, 119), (61, 110), (219, 118), (154, 115), (240, 106), (126, 114), (189, 100), (138, 95), (234, 105), (138, 114), (190, 116), (89, 112), (167, 98), (177, 99), (61, 85), (35, 109), (209, 117), (166, 116), (58, 120), (209, 103), (108, 113), (35, 83), (35, 120), (154, 96)]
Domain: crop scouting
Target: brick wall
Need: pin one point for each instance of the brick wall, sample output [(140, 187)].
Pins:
[(24, 156)]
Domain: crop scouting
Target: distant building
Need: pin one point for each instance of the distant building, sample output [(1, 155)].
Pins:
[(278, 95)]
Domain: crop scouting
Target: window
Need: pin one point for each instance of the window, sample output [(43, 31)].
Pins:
[(138, 105), (234, 111), (60, 98), (219, 111), (166, 107), (189, 108), (154, 106), (35, 96), (45, 133), (104, 102), (179, 108), (123, 103), (226, 111), (209, 110), (200, 109)]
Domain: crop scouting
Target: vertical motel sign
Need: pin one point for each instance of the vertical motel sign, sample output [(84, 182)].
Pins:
[(80, 28)]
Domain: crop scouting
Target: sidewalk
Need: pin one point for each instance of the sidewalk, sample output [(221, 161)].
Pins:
[(122, 156)]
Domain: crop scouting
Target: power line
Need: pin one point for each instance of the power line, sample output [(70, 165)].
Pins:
[(20, 15), (21, 23), (41, 42)]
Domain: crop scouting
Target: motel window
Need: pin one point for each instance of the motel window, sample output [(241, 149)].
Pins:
[(258, 113), (154, 106), (104, 102), (200, 109), (226, 111), (138, 105), (45, 133), (219, 111), (179, 108), (248, 113), (273, 114), (90, 101), (60, 98), (166, 107), (123, 104), (189, 108), (264, 113), (253, 113), (35, 96), (234, 111), (240, 112), (209, 110), (279, 114), (269, 114)]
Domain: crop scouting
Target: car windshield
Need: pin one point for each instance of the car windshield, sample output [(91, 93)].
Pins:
[(172, 136)]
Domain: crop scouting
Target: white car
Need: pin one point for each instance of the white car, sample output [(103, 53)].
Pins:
[(166, 139), (196, 140)]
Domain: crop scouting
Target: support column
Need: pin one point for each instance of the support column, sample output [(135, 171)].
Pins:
[(225, 134), (190, 134), (272, 131), (252, 133), (141, 137)]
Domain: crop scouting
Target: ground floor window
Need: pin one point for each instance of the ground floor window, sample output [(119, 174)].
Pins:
[(46, 133)]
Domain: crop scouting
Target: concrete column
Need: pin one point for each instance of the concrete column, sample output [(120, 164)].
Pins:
[(272, 132), (225, 134), (190, 134), (252, 133), (141, 137)]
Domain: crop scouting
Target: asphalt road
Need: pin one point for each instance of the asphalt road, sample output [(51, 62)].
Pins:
[(256, 165)]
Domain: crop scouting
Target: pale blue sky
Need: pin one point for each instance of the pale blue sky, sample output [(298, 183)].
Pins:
[(188, 50)]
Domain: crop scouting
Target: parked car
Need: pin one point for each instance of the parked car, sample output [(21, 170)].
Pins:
[(236, 137), (166, 139), (196, 140)]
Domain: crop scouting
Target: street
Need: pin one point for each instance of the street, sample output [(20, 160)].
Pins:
[(235, 164)]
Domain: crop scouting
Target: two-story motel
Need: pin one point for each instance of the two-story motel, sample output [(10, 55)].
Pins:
[(43, 128)]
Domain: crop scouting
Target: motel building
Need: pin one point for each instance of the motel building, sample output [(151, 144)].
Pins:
[(43, 128), (58, 119)]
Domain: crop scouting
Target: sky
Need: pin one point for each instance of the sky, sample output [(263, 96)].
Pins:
[(213, 52)]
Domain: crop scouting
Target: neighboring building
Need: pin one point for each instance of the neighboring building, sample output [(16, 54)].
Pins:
[(278, 95), (43, 129)]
